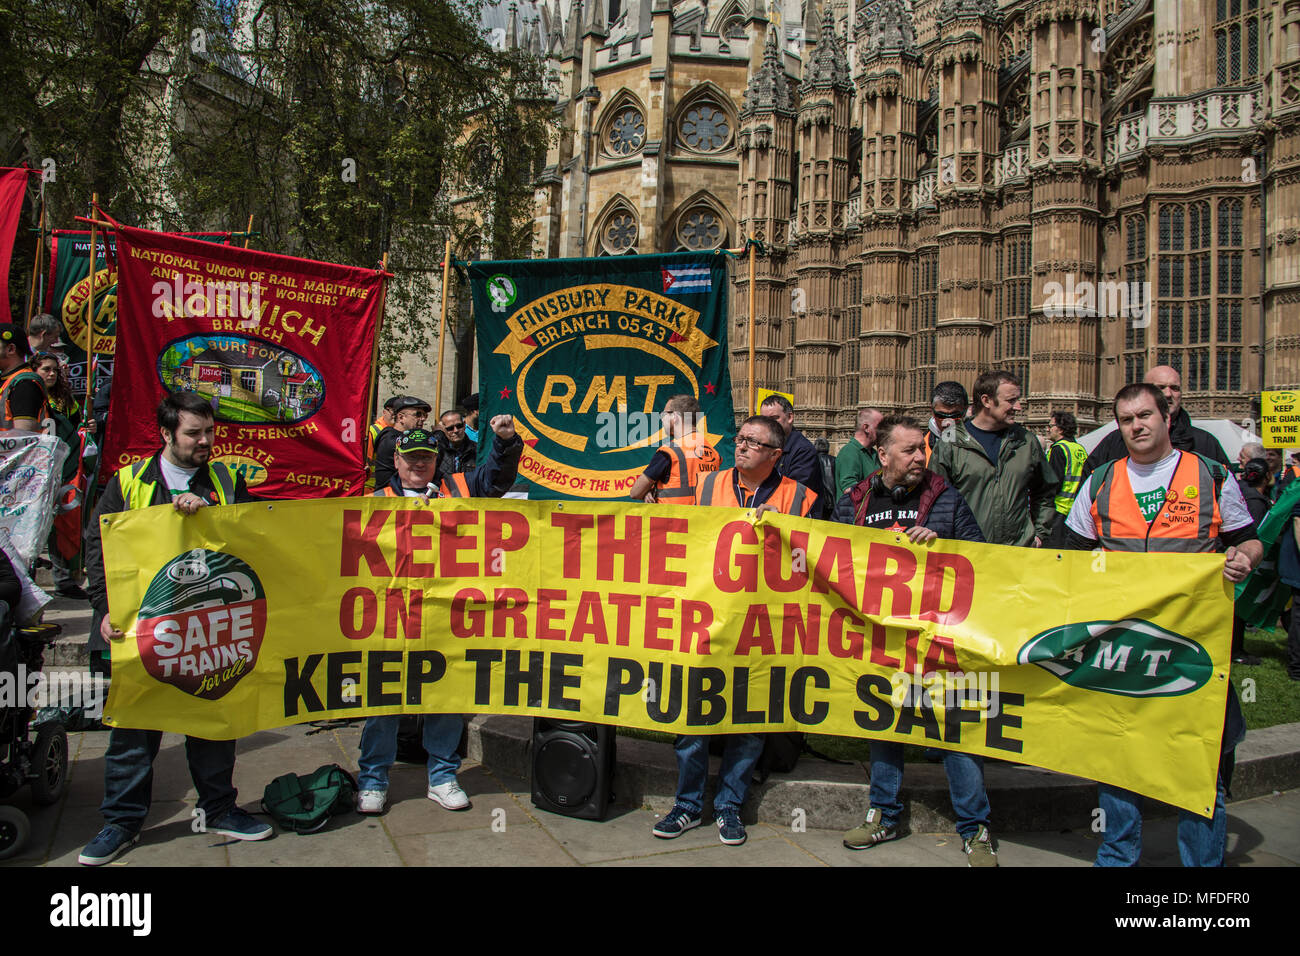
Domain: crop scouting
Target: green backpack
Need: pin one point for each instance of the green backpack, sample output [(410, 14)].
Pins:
[(305, 804)]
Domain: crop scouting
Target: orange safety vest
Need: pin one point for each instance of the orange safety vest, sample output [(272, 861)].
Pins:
[(459, 488), (1188, 521), (6, 388), (718, 490), (929, 445), (690, 456)]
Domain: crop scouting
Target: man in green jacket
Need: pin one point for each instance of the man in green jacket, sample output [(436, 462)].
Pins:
[(858, 458), (999, 468)]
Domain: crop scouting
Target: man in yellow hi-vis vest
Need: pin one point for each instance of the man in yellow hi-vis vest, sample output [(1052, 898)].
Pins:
[(1070, 459), (182, 475)]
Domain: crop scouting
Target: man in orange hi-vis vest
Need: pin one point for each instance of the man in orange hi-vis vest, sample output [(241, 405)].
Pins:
[(677, 466), (1163, 500), (753, 483)]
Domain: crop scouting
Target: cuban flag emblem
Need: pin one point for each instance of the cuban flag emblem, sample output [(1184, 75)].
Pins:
[(687, 279)]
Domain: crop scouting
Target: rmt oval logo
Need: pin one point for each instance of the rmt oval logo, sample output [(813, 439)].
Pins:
[(202, 623), (1132, 658)]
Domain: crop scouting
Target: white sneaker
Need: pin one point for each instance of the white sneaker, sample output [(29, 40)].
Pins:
[(371, 801), (449, 796)]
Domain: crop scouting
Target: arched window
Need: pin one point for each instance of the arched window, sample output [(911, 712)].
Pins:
[(618, 232), (705, 126), (623, 133), (700, 227)]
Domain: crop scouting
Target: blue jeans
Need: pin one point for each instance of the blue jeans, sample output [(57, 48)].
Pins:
[(970, 802), (1201, 842), (379, 749), (738, 759), (128, 776)]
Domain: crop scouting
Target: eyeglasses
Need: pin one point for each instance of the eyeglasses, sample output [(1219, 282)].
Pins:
[(744, 442), (453, 427)]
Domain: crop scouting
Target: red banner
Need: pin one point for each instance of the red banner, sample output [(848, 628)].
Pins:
[(279, 346), (13, 187)]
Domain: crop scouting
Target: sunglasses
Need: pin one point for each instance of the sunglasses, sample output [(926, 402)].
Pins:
[(453, 427)]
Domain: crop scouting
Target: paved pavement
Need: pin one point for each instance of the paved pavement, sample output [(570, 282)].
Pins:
[(504, 829)]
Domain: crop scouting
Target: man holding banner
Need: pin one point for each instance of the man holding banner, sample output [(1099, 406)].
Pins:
[(753, 483), (676, 467), (416, 459), (183, 475), (1160, 499)]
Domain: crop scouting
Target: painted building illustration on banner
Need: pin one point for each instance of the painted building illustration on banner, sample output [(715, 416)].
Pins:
[(248, 379)]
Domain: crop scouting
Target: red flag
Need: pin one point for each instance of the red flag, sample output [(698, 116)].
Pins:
[(279, 346), (13, 187)]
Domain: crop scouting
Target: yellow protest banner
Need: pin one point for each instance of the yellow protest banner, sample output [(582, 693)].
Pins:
[(686, 620), (1279, 419)]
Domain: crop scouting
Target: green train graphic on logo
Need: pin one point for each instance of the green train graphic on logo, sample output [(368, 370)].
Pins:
[(1132, 658), (202, 622)]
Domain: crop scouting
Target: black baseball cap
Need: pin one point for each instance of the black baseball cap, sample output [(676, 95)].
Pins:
[(408, 401), (417, 439), (389, 404), (12, 334)]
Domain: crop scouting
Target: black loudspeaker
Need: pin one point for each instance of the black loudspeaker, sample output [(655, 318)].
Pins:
[(573, 767)]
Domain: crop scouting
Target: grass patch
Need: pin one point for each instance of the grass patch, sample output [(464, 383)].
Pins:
[(1277, 697)]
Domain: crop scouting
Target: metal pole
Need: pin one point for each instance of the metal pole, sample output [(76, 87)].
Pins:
[(753, 246), (442, 329)]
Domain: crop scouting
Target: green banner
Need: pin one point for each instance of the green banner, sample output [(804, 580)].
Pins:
[(585, 352)]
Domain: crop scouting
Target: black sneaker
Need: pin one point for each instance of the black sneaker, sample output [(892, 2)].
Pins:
[(730, 830), (75, 591), (108, 844), (678, 821)]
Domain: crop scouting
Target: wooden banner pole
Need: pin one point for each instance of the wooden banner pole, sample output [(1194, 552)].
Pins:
[(374, 349), (752, 247), (442, 328), (36, 266), (248, 233), (90, 307)]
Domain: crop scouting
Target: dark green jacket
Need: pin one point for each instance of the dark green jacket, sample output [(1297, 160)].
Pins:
[(852, 464), (1012, 500)]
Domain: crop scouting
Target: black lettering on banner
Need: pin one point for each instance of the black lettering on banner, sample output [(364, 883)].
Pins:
[(335, 676), (516, 678), (874, 691), (298, 686), (422, 667), (377, 677), (670, 692), (799, 691), (740, 712), (776, 695), (705, 686), (955, 715), (622, 676), (993, 736), (560, 680), (915, 714), (482, 661)]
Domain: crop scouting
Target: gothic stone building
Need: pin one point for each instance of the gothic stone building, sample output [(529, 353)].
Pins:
[(945, 186)]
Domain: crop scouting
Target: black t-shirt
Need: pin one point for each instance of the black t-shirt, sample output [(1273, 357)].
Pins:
[(991, 442), (660, 467), (883, 513), (385, 445), (26, 399)]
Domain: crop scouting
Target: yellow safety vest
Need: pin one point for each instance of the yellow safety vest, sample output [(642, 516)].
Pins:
[(138, 493), (1075, 457)]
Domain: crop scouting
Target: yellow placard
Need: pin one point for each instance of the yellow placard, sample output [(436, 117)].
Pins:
[(763, 394), (1279, 419), (687, 620)]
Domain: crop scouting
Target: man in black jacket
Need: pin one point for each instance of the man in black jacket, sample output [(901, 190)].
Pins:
[(408, 412), (906, 497), (182, 475), (798, 456), (1183, 435)]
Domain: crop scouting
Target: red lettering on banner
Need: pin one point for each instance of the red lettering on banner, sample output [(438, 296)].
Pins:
[(878, 655), (756, 631), (774, 560), (496, 544), (661, 551), (359, 544), (910, 640), (942, 656), (546, 614), (880, 579), (609, 544), (590, 619), (836, 635), (963, 588), (746, 565), (398, 614), (348, 625), (834, 571), (468, 621), (795, 626), (656, 621), (697, 616), (451, 543), (408, 542), (623, 620), (509, 605), (573, 526)]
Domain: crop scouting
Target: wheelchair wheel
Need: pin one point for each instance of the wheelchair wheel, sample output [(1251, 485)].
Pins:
[(15, 828), (50, 764)]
